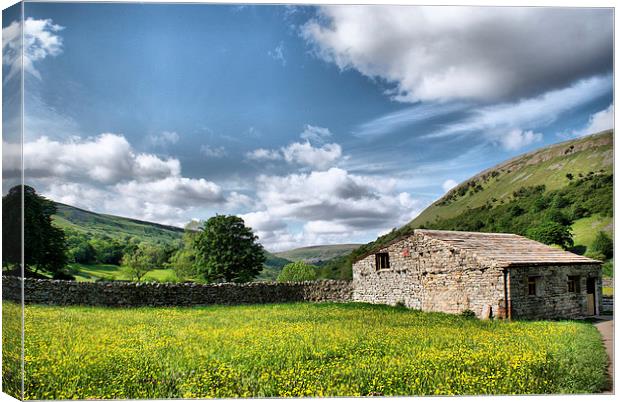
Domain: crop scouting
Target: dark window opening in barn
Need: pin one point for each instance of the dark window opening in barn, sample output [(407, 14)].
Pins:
[(573, 284), (534, 287), (382, 261)]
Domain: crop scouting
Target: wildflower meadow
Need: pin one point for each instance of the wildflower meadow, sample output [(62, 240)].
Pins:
[(301, 349)]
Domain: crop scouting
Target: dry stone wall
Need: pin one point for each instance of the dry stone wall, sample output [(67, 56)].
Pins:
[(131, 294), (426, 274)]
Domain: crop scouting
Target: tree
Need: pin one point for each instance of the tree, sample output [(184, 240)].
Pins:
[(227, 250), (108, 250), (603, 245), (183, 260), (142, 260), (297, 271), (45, 247), (550, 232)]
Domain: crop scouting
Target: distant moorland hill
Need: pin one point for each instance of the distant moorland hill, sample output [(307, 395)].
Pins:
[(317, 254)]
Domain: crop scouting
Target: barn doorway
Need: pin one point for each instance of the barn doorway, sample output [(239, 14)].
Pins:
[(591, 296)]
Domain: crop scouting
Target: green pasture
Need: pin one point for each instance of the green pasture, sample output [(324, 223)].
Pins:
[(290, 350)]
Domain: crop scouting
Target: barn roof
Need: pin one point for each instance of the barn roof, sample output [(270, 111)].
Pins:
[(505, 248)]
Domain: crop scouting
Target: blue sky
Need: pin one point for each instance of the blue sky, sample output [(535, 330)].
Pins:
[(317, 125)]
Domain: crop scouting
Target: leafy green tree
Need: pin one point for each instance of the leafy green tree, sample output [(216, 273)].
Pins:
[(142, 260), (107, 250), (603, 244), (183, 259), (297, 271), (45, 246), (550, 232), (227, 250)]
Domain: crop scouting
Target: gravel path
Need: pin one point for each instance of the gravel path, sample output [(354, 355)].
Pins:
[(606, 328)]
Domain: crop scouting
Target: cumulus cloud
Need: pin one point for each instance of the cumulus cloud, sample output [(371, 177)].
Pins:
[(105, 174), (484, 53), (321, 156), (40, 40), (333, 205), (517, 139), (305, 154), (181, 192), (107, 158), (599, 121), (449, 185), (164, 139)]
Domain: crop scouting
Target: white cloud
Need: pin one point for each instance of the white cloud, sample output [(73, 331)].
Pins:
[(498, 123), (180, 192), (213, 152), (517, 139), (441, 53), (262, 154), (147, 166), (599, 121), (107, 158), (278, 54), (41, 40), (315, 134), (307, 155), (164, 139), (304, 153), (105, 174), (449, 185), (392, 121), (332, 205)]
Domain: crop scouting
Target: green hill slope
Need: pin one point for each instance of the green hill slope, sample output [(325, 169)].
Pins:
[(79, 220), (317, 254), (548, 166), (571, 181)]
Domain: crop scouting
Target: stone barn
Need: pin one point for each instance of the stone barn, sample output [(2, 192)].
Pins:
[(492, 274)]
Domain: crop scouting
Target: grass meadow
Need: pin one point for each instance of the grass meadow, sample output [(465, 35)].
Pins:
[(298, 349), (110, 272)]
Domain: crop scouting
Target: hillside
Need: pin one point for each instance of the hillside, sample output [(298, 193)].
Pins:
[(79, 220), (317, 254), (570, 181), (548, 166)]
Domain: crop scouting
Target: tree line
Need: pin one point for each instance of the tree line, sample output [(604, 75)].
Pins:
[(221, 249)]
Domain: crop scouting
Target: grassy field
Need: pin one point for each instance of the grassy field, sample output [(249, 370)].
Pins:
[(296, 350), (586, 229), (92, 272)]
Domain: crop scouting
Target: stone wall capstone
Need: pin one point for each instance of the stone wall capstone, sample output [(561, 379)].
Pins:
[(137, 294)]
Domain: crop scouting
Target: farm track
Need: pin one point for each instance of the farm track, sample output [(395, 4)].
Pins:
[(606, 328)]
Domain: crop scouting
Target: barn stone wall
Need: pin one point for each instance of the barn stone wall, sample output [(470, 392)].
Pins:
[(426, 274), (554, 299), (131, 294)]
